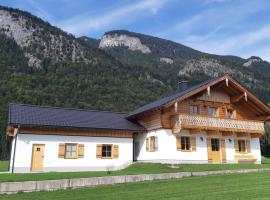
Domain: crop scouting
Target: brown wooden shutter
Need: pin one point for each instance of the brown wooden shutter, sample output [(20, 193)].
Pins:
[(248, 146), (115, 151), (147, 144), (152, 143), (223, 150), (236, 147), (193, 143), (61, 150), (80, 150), (99, 151), (209, 149), (178, 143), (155, 143)]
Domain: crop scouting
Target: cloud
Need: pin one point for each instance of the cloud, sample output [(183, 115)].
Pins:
[(242, 44), (84, 23), (228, 16), (224, 29), (216, 1), (38, 10)]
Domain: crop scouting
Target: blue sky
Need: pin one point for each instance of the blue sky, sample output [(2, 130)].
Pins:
[(227, 27)]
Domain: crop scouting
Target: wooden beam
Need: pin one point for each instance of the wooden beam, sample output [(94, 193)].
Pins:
[(237, 98), (209, 132), (255, 135), (10, 131), (227, 133), (241, 134), (195, 131), (78, 132), (264, 118)]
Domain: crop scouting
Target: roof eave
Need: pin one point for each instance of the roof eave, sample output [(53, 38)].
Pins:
[(141, 129)]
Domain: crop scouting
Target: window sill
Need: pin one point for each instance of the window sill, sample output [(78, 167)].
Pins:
[(106, 157), (184, 150), (70, 157)]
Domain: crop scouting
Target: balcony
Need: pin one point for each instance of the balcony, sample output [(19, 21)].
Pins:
[(184, 121)]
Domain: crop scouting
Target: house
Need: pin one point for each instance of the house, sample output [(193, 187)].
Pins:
[(217, 121)]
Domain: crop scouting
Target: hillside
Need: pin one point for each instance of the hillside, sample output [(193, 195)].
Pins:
[(168, 61), (41, 64)]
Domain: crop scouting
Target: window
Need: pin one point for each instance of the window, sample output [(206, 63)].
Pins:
[(185, 143), (71, 151), (152, 143), (212, 111), (242, 145), (193, 110), (215, 144), (230, 114), (106, 151)]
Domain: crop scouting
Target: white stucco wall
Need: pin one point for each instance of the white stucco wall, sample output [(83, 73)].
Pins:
[(53, 163), (167, 148), (167, 152)]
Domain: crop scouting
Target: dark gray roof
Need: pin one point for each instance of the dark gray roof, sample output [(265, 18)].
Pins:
[(41, 116), (161, 102)]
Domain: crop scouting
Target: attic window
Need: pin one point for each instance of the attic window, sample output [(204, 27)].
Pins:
[(230, 114), (212, 111), (193, 110)]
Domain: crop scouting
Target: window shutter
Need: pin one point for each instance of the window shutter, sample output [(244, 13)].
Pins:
[(156, 143), (209, 149), (115, 151), (248, 146), (99, 151), (152, 143), (193, 143), (223, 150), (147, 144), (236, 147), (178, 144), (80, 150), (61, 151)]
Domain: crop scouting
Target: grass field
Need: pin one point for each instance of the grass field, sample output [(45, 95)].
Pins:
[(253, 186), (3, 166), (137, 168)]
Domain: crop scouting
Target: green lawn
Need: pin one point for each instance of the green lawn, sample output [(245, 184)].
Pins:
[(137, 168), (3, 166), (253, 186)]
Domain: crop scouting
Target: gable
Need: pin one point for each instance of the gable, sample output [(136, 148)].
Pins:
[(216, 96), (210, 90)]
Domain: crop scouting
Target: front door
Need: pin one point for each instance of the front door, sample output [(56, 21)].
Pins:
[(37, 157), (214, 150)]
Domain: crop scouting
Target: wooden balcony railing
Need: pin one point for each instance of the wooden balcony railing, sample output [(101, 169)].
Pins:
[(184, 121)]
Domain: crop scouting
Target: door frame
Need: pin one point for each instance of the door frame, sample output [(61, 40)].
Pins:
[(209, 149), (32, 159)]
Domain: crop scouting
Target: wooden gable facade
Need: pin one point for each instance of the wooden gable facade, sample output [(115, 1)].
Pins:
[(224, 105)]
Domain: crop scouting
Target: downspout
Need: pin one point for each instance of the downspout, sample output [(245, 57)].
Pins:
[(14, 151)]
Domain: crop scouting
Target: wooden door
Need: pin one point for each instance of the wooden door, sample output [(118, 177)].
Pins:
[(214, 150), (37, 157)]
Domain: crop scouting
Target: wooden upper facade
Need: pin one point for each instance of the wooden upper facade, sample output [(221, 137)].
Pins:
[(224, 106)]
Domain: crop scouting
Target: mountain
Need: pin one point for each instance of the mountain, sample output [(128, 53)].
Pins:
[(41, 64), (168, 61), (90, 42)]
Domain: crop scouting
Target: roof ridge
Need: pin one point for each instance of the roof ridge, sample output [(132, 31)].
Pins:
[(64, 108)]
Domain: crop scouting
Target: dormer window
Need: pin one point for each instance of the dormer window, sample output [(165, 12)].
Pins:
[(212, 111), (193, 110)]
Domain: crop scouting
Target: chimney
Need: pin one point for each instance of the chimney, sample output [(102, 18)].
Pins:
[(182, 85)]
